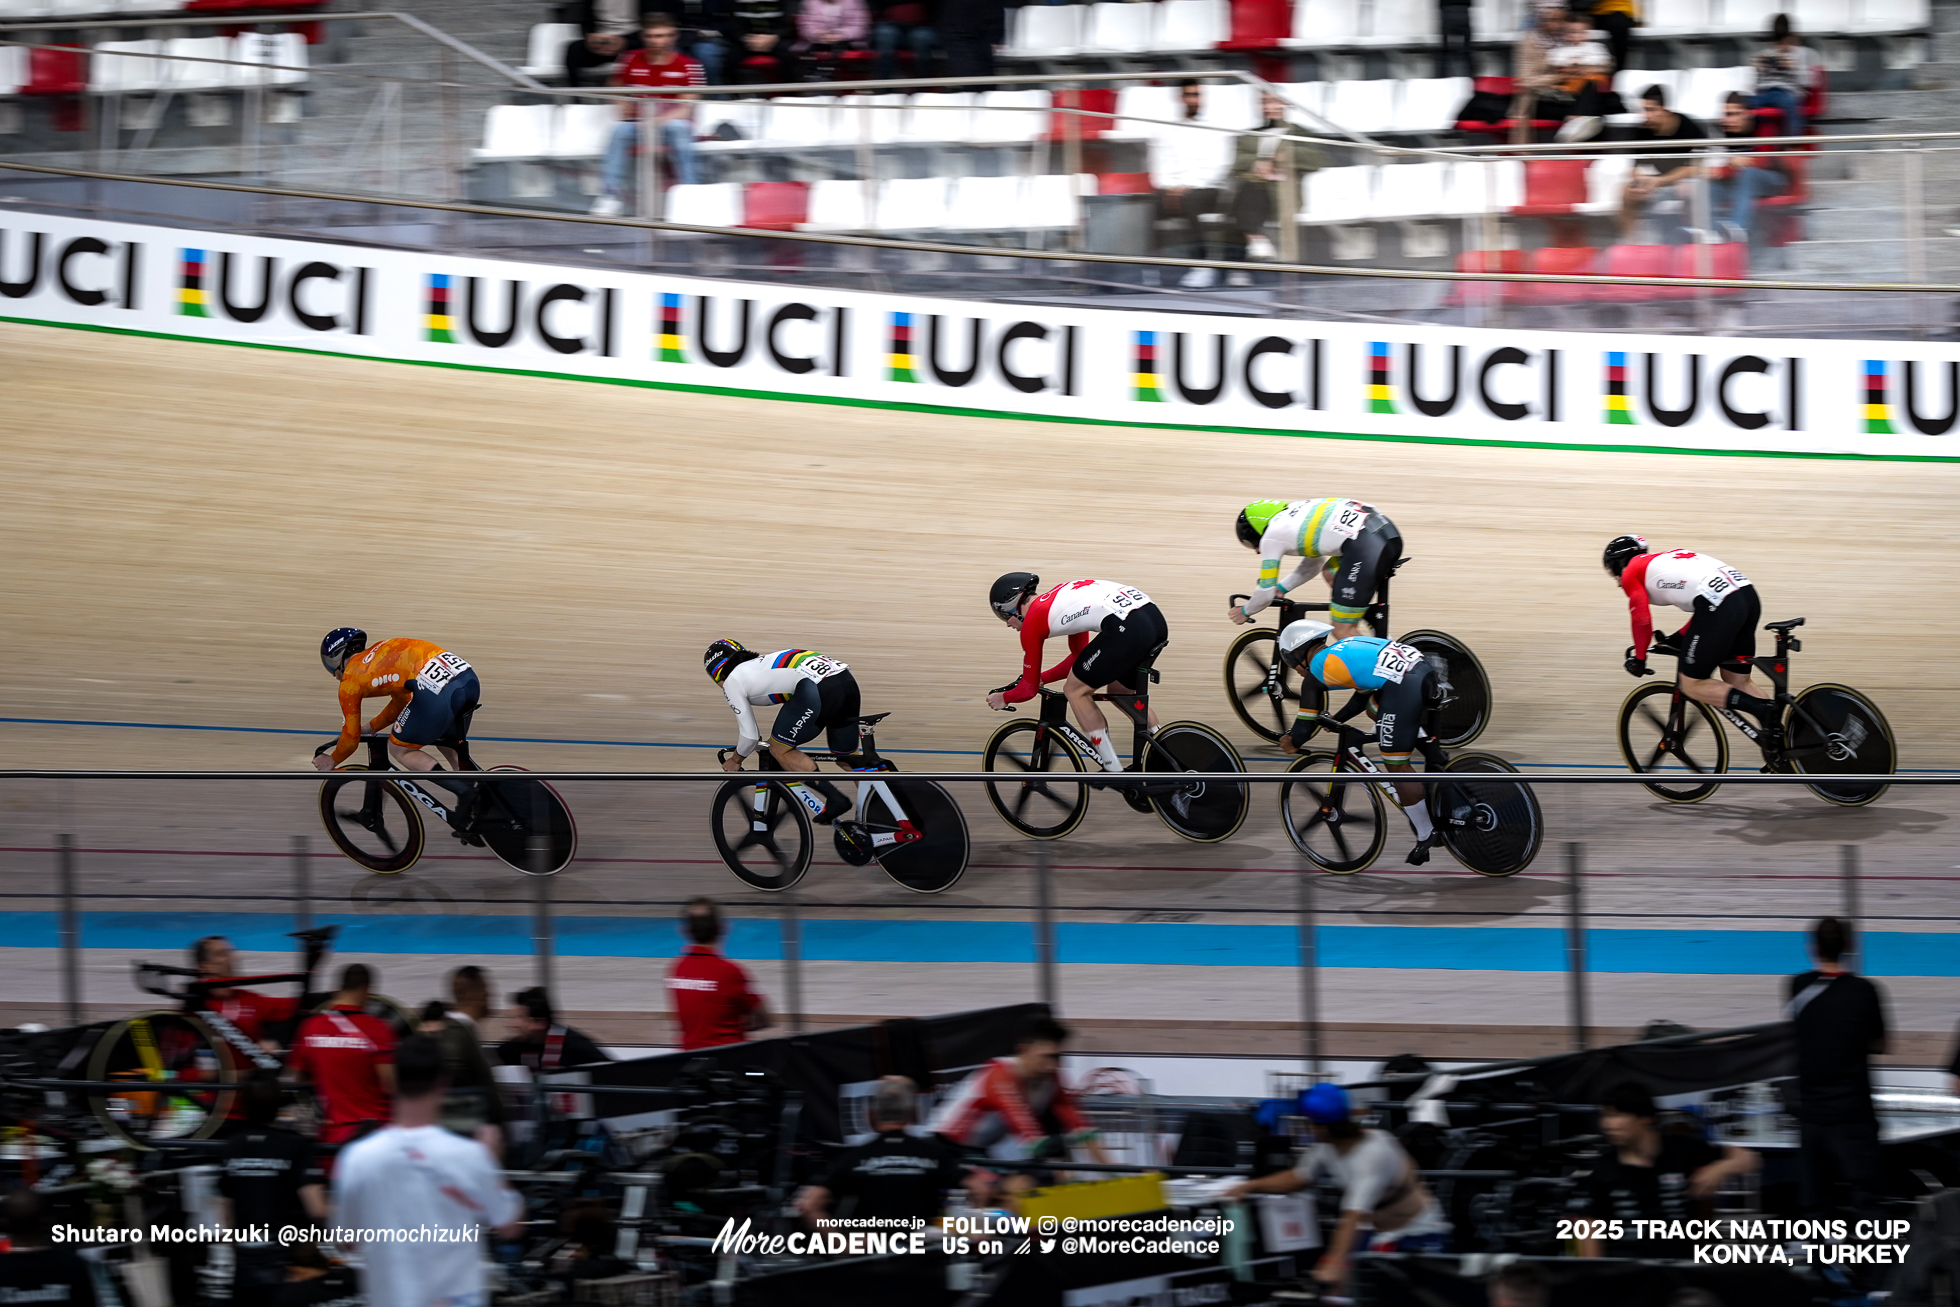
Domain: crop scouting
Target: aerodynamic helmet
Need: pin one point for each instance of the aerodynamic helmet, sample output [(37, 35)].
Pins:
[(1623, 550), (342, 643), (1008, 592), (722, 657), (1300, 640), (1254, 518)]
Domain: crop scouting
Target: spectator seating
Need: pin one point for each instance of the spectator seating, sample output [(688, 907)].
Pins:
[(139, 67), (1416, 106), (1727, 260), (903, 205), (13, 69), (546, 54), (1040, 31), (1408, 191)]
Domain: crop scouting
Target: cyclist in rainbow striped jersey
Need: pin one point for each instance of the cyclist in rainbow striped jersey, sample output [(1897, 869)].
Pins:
[(1350, 544), (815, 692)]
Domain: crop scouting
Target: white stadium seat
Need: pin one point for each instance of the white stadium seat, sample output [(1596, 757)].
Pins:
[(1430, 104), (1008, 117), (1875, 16), (284, 51), (13, 68), (1153, 105), (123, 67), (745, 116), (1053, 201), (1192, 24), (1702, 91), (1308, 96), (1400, 22), (984, 203), (182, 74), (1047, 31), (1746, 17), (1606, 177), (547, 49), (1821, 16), (1338, 194), (1630, 83), (873, 118), (1325, 23), (913, 203), (804, 120), (718, 204), (837, 206), (1494, 18), (16, 10), (941, 117), (1234, 105), (1364, 107), (1677, 18), (1410, 190), (1119, 28), (582, 131), (517, 131)]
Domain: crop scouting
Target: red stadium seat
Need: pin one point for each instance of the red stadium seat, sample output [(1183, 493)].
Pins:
[(1096, 99), (1555, 259), (1259, 24), (56, 72), (776, 206), (1123, 183), (1636, 261), (1552, 188), (1484, 292), (1781, 216), (1729, 259)]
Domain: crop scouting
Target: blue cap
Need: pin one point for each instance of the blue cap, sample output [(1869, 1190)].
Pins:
[(1325, 1104)]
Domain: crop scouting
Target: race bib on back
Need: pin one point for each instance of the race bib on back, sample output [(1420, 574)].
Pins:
[(1396, 661), (439, 671), (1348, 520)]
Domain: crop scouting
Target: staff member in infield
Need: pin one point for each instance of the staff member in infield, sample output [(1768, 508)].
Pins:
[(897, 1176), (714, 1003), (1839, 1019), (1643, 1174), (347, 1056), (268, 1176), (1381, 1186), (36, 1271)]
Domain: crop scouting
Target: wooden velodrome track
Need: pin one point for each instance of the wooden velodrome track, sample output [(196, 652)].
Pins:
[(183, 521)]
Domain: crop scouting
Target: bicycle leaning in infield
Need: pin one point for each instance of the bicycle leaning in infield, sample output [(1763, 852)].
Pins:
[(525, 823), (1825, 729), (1048, 802), (912, 828), (1338, 819), (1265, 692)]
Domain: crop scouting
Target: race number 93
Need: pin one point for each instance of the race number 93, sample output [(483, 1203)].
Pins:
[(1590, 1230)]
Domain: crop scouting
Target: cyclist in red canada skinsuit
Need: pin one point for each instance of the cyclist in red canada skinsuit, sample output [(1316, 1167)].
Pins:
[(1111, 628)]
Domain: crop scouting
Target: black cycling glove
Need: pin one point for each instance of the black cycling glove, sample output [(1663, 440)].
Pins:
[(1638, 667)]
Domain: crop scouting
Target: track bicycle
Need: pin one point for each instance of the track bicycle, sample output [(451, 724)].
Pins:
[(379, 823), (1338, 818), (911, 828), (1825, 729), (1265, 692), (1051, 756)]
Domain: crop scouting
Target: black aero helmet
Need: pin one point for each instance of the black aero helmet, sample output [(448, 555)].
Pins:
[(722, 657), (1009, 591), (1623, 550), (342, 643)]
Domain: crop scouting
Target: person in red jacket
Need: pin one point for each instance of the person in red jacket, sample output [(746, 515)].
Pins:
[(348, 1057), (252, 1012), (714, 1003)]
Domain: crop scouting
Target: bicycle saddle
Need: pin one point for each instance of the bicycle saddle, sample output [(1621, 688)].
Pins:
[(873, 719), (1782, 628), (1394, 567), (1146, 663)]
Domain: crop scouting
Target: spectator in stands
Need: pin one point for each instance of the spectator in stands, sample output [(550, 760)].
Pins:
[(1644, 1173), (1381, 1186), (34, 1269), (1786, 69), (469, 998), (714, 1003), (1457, 48), (1666, 168), (1521, 1284), (706, 28), (825, 29), (972, 31), (1616, 18), (1839, 1020), (348, 1057), (1544, 27), (257, 1016), (908, 24), (763, 27), (593, 59), (415, 1174), (473, 1097), (541, 1043), (657, 63), (1190, 170), (1577, 72), (1262, 161), (1742, 176), (897, 1175), (267, 1176)]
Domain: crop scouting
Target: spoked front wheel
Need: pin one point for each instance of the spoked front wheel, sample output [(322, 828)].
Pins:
[(178, 1071), (1835, 729), (1264, 692), (1489, 822), (371, 820), (1675, 755), (1042, 795), (937, 859), (763, 833), (1336, 819), (526, 824), (1465, 709), (1204, 811)]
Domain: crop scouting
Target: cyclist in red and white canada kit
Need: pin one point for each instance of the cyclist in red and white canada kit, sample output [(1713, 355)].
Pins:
[(1726, 611), (1110, 628)]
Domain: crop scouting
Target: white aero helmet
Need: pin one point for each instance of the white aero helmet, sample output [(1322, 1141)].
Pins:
[(1298, 640)]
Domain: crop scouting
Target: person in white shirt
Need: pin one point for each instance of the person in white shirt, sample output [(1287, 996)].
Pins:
[(1381, 1186), (1189, 166), (412, 1175)]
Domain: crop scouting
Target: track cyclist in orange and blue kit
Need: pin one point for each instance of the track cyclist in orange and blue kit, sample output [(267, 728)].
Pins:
[(431, 693)]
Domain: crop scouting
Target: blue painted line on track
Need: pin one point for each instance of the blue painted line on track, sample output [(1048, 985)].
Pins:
[(1450, 948)]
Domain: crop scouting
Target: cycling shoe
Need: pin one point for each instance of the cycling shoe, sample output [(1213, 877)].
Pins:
[(1420, 853), (832, 810), (1133, 792)]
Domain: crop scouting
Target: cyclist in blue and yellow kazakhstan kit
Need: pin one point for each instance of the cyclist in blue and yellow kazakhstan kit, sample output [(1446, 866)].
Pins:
[(1348, 542), (1406, 689)]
